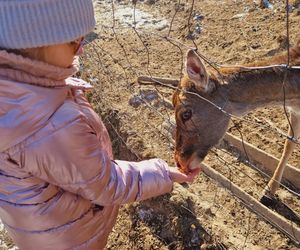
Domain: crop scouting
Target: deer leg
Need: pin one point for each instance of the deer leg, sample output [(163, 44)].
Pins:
[(289, 146)]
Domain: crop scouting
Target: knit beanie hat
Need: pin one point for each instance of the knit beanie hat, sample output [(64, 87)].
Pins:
[(37, 23)]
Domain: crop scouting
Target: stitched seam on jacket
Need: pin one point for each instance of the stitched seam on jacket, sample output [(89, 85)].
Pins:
[(60, 192), (68, 224), (14, 177), (85, 118), (34, 132), (57, 130)]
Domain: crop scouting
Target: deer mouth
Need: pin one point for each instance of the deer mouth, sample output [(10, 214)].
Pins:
[(189, 165)]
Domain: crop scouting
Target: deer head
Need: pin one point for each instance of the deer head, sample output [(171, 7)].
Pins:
[(199, 124)]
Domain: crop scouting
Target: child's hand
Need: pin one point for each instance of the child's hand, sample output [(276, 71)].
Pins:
[(177, 176)]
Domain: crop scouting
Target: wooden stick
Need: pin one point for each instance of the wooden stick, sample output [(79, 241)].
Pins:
[(266, 161), (283, 225), (148, 80)]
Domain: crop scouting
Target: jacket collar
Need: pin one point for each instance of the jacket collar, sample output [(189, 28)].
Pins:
[(18, 68)]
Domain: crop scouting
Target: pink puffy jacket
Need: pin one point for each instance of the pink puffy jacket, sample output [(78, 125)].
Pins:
[(59, 187)]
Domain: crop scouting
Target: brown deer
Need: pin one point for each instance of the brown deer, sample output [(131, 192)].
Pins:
[(202, 97), (200, 125)]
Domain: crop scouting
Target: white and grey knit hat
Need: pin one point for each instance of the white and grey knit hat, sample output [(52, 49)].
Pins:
[(37, 23)]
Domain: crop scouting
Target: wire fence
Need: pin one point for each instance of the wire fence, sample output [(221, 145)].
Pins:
[(133, 40)]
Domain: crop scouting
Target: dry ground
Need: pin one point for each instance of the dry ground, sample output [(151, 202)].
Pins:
[(202, 215)]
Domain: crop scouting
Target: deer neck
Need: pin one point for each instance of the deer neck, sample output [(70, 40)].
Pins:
[(253, 89)]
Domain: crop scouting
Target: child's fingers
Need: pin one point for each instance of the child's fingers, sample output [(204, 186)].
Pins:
[(192, 174), (180, 177)]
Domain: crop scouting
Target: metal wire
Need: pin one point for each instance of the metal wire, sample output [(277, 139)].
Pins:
[(179, 45)]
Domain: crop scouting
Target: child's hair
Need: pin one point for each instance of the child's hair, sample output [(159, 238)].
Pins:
[(40, 23)]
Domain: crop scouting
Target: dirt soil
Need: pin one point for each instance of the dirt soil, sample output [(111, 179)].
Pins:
[(152, 37)]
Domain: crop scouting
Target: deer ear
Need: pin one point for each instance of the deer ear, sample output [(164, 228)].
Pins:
[(197, 73)]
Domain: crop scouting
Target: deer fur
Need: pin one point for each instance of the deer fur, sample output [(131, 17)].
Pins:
[(237, 91), (200, 125)]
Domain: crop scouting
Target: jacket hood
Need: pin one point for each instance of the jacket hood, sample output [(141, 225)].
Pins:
[(30, 92)]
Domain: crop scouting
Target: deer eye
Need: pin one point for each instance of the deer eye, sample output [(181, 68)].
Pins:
[(186, 115)]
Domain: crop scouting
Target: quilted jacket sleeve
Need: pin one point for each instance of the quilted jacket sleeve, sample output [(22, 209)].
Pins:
[(74, 158)]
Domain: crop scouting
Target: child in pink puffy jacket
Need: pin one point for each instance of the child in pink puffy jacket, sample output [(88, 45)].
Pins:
[(59, 187)]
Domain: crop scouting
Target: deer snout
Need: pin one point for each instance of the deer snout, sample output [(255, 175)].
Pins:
[(187, 162)]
